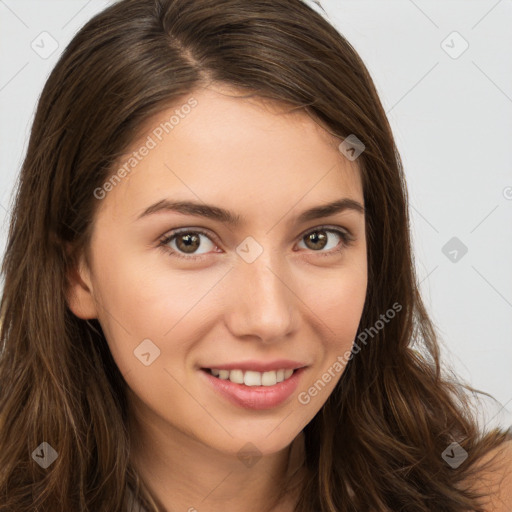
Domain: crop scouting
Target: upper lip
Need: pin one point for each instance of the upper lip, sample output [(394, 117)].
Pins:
[(259, 366)]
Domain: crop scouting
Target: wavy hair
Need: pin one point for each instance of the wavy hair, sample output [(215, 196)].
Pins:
[(58, 380)]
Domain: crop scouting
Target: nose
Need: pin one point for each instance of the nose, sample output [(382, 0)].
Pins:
[(262, 302)]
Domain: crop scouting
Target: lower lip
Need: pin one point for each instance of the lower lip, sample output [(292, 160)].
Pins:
[(255, 397)]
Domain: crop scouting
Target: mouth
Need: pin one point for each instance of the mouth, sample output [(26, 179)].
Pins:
[(252, 378), (252, 389)]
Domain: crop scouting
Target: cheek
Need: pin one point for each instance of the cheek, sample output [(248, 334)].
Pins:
[(142, 299), (341, 304), (340, 308), (131, 303)]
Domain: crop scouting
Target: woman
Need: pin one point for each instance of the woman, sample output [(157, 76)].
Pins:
[(210, 300)]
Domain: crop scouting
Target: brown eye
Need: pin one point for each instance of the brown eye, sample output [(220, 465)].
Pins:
[(187, 242), (182, 243), (316, 240), (334, 240)]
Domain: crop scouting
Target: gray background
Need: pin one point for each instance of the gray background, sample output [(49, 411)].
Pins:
[(451, 114)]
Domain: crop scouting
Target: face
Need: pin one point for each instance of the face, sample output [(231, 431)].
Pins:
[(243, 279)]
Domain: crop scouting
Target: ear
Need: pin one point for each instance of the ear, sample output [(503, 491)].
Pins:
[(79, 291)]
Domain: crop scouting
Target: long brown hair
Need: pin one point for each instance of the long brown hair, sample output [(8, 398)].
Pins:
[(377, 442)]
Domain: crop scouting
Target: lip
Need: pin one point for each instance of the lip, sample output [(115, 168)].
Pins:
[(255, 397), (259, 366)]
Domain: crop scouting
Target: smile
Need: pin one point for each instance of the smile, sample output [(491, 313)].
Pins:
[(251, 389), (252, 378)]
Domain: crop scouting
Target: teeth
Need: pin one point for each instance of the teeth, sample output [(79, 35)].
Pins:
[(236, 376), (251, 378)]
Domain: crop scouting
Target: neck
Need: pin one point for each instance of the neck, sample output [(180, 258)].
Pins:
[(182, 473)]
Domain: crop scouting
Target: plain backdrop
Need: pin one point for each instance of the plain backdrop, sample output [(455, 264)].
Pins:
[(443, 70)]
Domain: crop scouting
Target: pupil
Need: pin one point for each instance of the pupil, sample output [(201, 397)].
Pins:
[(315, 238), (190, 241)]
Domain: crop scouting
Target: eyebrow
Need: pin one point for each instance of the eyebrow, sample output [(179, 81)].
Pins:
[(225, 216)]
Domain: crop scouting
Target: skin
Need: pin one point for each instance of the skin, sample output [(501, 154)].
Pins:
[(494, 479), (296, 302)]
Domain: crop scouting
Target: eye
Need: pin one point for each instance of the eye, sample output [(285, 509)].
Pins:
[(318, 239), (185, 243)]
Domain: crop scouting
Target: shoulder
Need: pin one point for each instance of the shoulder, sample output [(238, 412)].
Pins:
[(495, 478)]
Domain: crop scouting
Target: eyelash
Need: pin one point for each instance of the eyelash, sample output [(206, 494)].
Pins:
[(346, 240)]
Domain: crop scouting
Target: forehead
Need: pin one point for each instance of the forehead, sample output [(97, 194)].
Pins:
[(220, 146)]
